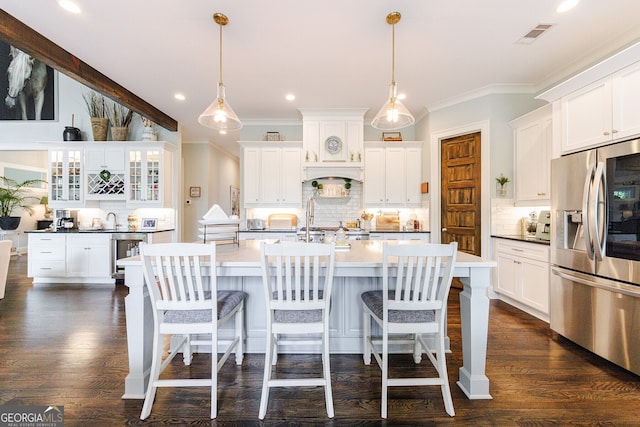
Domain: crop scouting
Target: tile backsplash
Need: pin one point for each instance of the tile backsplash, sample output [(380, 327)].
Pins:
[(506, 219)]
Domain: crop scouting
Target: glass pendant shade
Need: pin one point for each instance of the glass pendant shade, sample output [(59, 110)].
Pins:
[(393, 114), (219, 115)]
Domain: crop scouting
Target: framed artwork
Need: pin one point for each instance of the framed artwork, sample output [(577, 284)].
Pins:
[(391, 136), (149, 224), (27, 86), (194, 191), (235, 200)]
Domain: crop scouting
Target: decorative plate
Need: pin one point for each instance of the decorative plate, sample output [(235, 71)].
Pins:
[(333, 144)]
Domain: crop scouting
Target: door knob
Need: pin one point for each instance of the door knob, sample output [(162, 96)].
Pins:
[(444, 229)]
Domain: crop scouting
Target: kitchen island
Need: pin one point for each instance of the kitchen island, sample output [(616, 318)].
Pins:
[(356, 270)]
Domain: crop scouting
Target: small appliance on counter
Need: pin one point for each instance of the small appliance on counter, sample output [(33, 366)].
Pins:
[(255, 224), (66, 219), (543, 229)]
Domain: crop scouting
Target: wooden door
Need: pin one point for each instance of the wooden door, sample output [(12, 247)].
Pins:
[(460, 192)]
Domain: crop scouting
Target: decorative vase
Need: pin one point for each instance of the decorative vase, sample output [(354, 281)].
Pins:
[(148, 134), (119, 133), (99, 126), (9, 222), (501, 190)]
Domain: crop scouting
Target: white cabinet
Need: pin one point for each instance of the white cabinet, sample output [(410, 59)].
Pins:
[(47, 254), (104, 172), (533, 150), (272, 174), (70, 258), (399, 236), (392, 174), (149, 176), (523, 275), (65, 178), (603, 111), (89, 255)]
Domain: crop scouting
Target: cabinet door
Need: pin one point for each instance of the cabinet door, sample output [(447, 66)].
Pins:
[(413, 168), (533, 158), (88, 256), (535, 284), (508, 274), (626, 102), (270, 181), (99, 158), (311, 140), (587, 117), (65, 172), (144, 178), (291, 176), (395, 176), (251, 176), (374, 179)]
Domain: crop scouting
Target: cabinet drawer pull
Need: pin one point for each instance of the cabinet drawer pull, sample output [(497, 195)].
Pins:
[(517, 250), (46, 252)]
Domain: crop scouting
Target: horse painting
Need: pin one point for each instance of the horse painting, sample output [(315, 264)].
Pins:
[(27, 79)]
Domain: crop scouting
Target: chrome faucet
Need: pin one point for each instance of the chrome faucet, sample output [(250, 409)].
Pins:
[(311, 207), (115, 219)]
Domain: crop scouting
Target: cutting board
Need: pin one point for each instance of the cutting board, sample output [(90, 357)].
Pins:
[(282, 221)]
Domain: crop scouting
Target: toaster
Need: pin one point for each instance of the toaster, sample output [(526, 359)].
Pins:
[(255, 224)]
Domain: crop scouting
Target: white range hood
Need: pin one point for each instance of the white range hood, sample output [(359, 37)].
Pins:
[(333, 143)]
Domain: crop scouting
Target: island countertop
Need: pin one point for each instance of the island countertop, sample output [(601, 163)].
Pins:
[(357, 270)]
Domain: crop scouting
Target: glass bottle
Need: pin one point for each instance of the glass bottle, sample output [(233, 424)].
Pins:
[(341, 235)]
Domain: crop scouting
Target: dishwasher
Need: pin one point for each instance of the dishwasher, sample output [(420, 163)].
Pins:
[(123, 246)]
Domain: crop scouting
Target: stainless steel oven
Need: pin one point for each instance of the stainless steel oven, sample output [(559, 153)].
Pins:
[(124, 245)]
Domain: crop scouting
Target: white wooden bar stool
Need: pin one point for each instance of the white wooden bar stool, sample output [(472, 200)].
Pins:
[(182, 304), (297, 281), (416, 279)]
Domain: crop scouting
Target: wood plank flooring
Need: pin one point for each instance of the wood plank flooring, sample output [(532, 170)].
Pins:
[(66, 345)]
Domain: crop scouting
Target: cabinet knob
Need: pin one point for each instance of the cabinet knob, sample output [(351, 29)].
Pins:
[(614, 131), (605, 133)]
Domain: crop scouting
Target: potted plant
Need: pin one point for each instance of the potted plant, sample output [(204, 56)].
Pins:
[(97, 110), (119, 119), (14, 195), (502, 181)]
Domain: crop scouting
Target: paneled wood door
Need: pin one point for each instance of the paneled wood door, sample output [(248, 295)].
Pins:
[(460, 170)]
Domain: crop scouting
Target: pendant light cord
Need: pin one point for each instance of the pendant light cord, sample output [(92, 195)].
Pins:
[(393, 53), (220, 79)]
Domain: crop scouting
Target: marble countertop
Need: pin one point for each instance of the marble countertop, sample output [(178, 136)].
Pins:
[(520, 238), (363, 253)]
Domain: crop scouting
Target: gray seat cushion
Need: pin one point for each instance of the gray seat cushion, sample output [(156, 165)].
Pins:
[(374, 301), (297, 316), (227, 302)]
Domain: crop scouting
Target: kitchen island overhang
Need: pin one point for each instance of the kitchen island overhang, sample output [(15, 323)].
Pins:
[(356, 270)]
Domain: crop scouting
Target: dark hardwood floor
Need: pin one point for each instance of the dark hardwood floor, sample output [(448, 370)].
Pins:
[(66, 345)]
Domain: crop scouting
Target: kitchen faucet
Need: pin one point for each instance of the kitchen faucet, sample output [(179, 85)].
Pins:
[(115, 219), (311, 206)]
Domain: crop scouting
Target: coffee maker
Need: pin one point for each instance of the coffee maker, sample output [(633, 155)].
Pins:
[(66, 219)]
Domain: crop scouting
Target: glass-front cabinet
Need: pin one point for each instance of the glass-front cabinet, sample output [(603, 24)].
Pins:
[(146, 169), (65, 172)]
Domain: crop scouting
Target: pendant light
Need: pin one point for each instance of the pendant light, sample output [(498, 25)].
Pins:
[(393, 115), (219, 115)]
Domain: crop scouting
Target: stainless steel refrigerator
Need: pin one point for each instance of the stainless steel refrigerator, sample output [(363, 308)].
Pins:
[(594, 294)]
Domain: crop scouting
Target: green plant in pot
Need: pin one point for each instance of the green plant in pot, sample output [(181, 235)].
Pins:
[(13, 196)]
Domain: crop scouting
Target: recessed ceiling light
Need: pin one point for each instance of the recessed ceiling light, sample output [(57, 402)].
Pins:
[(179, 97), (566, 5), (69, 6), (290, 97)]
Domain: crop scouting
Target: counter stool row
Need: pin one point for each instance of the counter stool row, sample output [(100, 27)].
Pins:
[(297, 278)]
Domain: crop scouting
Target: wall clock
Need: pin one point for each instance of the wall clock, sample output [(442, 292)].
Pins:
[(333, 144)]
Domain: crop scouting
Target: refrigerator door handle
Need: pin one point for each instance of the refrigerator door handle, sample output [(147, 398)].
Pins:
[(586, 228), (608, 285), (599, 212)]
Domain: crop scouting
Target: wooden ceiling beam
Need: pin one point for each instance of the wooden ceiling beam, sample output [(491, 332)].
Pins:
[(19, 35)]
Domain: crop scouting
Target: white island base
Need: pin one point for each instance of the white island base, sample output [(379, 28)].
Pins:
[(356, 271)]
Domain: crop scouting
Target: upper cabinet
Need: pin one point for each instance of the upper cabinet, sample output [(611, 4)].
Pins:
[(148, 176), (139, 174), (604, 111), (66, 177), (533, 148), (272, 174), (392, 174)]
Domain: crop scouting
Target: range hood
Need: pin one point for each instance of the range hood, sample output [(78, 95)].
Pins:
[(350, 170), (333, 143)]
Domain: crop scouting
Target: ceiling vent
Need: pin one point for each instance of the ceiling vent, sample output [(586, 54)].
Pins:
[(535, 33)]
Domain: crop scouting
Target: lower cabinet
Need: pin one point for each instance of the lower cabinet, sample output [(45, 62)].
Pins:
[(70, 258), (523, 275), (399, 236)]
